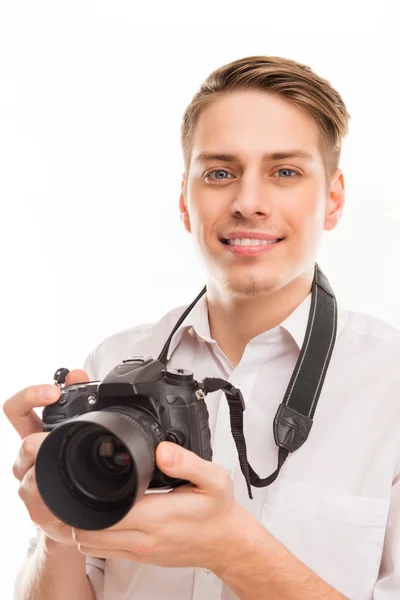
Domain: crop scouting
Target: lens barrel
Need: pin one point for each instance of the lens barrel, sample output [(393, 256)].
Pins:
[(91, 469)]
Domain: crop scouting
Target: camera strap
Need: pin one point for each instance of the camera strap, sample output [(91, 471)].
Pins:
[(294, 418)]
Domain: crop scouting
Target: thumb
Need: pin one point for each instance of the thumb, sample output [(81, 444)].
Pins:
[(175, 461), (76, 376)]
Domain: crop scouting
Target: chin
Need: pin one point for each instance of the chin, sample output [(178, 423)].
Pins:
[(249, 287)]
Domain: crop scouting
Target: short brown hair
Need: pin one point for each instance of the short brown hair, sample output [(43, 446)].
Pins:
[(294, 82)]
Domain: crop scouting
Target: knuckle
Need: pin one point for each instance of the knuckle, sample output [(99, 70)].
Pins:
[(16, 470), (32, 503), (222, 480), (29, 447), (6, 406), (22, 492), (25, 494), (28, 484), (28, 394), (144, 547)]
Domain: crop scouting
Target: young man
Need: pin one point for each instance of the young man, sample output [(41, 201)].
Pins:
[(261, 142)]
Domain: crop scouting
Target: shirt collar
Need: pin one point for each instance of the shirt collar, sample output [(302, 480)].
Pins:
[(295, 324), (197, 321)]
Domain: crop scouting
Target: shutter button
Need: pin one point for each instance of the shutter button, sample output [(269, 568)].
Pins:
[(206, 570)]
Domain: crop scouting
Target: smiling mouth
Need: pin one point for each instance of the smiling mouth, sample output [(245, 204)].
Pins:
[(249, 242)]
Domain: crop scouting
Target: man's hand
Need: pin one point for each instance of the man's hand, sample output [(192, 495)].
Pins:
[(19, 411), (193, 525)]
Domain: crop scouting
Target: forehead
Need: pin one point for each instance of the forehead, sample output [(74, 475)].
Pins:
[(254, 122)]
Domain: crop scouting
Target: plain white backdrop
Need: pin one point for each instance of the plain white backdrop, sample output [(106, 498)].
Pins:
[(91, 99)]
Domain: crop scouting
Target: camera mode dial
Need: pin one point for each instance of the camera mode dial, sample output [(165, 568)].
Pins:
[(179, 377)]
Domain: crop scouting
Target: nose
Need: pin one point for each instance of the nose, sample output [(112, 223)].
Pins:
[(252, 199)]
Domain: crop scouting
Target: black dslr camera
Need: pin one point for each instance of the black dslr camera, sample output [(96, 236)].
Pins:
[(100, 455)]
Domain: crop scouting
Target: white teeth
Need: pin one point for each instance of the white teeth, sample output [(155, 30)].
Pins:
[(249, 242)]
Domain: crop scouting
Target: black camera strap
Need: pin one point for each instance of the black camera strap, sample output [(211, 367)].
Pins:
[(294, 418)]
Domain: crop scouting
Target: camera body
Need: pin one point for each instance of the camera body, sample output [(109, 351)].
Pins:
[(100, 455)]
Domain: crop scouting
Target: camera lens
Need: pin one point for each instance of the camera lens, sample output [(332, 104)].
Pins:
[(112, 455), (97, 467), (91, 469)]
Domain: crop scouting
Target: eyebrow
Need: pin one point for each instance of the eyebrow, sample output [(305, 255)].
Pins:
[(268, 156)]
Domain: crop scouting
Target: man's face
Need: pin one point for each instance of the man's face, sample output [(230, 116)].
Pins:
[(257, 220)]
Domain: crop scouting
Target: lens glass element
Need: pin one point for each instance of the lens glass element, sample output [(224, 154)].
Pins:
[(98, 467), (112, 455)]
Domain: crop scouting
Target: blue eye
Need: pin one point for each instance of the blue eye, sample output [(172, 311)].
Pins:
[(287, 170), (223, 175), (218, 173)]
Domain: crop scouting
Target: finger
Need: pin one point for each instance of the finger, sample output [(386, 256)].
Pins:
[(145, 515), (27, 454), (102, 553), (29, 494), (19, 408), (138, 542), (153, 511), (27, 490), (141, 517), (175, 461), (76, 376)]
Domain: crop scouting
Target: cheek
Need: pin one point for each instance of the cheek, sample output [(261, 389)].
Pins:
[(305, 228), (306, 215), (207, 207), (203, 217)]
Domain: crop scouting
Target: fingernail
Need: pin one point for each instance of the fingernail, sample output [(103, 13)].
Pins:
[(49, 392), (169, 454)]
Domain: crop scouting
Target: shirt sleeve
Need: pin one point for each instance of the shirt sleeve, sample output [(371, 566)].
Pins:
[(388, 585), (91, 365), (95, 572)]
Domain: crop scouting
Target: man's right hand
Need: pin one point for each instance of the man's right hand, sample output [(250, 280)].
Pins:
[(19, 411)]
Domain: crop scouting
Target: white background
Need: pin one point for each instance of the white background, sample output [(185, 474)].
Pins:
[(91, 100)]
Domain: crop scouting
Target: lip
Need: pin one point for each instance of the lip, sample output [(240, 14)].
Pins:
[(251, 235), (252, 250)]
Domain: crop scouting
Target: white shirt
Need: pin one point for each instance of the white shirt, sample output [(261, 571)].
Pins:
[(336, 503)]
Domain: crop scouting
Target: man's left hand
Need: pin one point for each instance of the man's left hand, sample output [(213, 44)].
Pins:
[(193, 525)]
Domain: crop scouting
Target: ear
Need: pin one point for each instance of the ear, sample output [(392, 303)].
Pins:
[(335, 202), (183, 209)]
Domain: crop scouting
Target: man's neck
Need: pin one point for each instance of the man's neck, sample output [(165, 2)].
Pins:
[(234, 321)]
